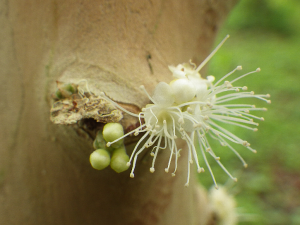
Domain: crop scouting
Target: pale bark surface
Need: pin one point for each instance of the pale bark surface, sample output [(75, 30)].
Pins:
[(45, 176)]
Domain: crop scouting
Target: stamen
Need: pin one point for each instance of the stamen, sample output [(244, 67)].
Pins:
[(156, 152), (189, 170), (227, 75), (136, 146), (142, 87), (108, 144), (173, 144), (165, 129), (102, 94), (201, 144), (211, 54), (246, 74), (176, 160)]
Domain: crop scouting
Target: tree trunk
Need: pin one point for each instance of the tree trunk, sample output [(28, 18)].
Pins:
[(45, 175)]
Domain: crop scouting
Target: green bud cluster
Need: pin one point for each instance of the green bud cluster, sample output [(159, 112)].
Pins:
[(115, 155), (65, 90)]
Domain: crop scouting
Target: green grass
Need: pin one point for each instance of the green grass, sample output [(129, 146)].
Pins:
[(265, 34)]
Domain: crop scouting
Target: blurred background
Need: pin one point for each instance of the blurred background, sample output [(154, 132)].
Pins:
[(265, 34)]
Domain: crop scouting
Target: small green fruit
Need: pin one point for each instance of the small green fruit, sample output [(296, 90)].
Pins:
[(100, 159), (113, 131)]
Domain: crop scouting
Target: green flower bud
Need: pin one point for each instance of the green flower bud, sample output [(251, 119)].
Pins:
[(99, 141), (65, 90), (58, 94), (111, 132), (119, 160), (70, 87), (100, 159)]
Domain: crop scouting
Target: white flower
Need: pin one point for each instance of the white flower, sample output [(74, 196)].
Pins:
[(223, 205), (193, 108)]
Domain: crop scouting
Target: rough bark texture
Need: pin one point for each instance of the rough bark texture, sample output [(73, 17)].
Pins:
[(45, 176)]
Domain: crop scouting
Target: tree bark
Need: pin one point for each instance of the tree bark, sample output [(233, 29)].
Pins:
[(45, 175)]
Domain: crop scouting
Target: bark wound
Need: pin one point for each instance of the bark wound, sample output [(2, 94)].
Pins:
[(90, 112)]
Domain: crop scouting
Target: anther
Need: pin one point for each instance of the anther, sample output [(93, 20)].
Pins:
[(181, 120), (166, 170), (228, 84), (152, 169), (257, 70), (195, 125), (209, 104), (239, 67), (131, 175), (200, 170)]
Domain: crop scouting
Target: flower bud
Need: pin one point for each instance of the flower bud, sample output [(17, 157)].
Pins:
[(183, 89), (163, 94), (111, 132), (119, 160), (100, 159), (99, 141), (65, 90)]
